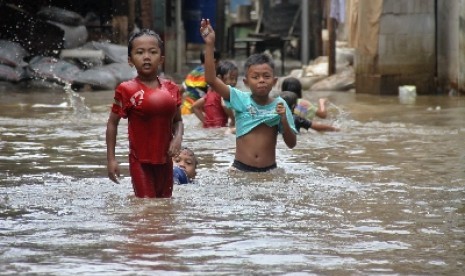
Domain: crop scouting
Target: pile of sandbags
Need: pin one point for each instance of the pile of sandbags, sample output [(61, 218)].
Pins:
[(314, 77), (43, 61), (72, 23)]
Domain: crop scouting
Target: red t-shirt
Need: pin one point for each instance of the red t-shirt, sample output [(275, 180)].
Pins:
[(150, 114), (214, 112)]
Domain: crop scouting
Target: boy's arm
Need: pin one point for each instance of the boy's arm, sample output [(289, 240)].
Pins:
[(208, 34), (289, 136)]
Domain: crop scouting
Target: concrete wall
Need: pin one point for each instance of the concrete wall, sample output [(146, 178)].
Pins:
[(406, 50), (448, 43), (461, 69)]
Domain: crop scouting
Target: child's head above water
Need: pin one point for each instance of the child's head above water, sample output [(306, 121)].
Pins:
[(227, 71), (259, 75), (292, 84), (290, 98), (145, 32), (187, 161)]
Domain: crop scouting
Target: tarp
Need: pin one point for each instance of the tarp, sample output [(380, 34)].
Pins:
[(364, 22), (363, 19)]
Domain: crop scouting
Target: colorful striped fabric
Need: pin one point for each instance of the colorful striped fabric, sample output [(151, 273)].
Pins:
[(195, 88)]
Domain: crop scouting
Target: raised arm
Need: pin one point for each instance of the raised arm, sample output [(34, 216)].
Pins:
[(208, 34)]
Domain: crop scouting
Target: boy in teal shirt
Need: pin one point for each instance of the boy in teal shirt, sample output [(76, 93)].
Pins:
[(259, 117)]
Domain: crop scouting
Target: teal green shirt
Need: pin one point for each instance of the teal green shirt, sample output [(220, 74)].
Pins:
[(249, 114)]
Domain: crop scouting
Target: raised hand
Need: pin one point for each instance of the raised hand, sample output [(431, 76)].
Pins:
[(207, 32)]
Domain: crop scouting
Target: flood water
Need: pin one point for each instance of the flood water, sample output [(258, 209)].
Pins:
[(384, 196)]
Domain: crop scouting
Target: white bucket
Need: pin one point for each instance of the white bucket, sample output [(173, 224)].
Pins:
[(407, 94)]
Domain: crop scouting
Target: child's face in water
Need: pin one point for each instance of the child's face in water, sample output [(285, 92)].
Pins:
[(186, 161), (231, 78)]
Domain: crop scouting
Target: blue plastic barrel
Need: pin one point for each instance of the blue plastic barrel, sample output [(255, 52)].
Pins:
[(193, 12)]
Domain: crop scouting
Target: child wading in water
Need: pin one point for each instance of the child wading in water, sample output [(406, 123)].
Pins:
[(211, 109), (259, 117), (155, 128)]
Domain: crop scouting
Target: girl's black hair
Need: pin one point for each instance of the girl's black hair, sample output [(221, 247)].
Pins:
[(292, 84), (145, 32), (224, 67)]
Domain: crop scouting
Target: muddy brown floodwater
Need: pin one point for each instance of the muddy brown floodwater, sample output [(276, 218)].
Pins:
[(384, 196)]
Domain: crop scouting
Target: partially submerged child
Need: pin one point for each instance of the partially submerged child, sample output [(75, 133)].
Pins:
[(305, 109), (184, 167), (291, 100), (259, 117), (211, 109)]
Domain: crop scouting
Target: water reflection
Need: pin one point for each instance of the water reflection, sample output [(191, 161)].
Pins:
[(383, 196)]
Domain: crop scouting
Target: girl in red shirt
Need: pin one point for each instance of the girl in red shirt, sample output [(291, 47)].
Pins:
[(210, 109), (155, 128)]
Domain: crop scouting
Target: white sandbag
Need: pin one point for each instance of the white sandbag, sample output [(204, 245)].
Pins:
[(113, 52), (97, 79), (13, 74), (121, 71), (53, 69), (343, 81), (60, 15), (75, 36), (308, 82), (318, 67), (12, 53), (345, 56), (86, 57)]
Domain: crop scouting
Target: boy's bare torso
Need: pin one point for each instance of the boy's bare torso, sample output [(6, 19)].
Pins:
[(258, 147)]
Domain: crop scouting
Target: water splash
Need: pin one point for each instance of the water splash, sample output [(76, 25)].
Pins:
[(77, 102), (342, 115)]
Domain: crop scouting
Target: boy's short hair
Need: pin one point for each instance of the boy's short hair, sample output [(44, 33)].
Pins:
[(290, 98), (258, 59), (216, 56)]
